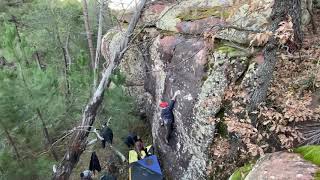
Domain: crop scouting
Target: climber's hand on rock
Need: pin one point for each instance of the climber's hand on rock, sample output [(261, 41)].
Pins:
[(176, 94), (95, 130)]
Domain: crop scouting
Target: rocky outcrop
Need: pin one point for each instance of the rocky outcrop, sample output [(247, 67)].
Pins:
[(281, 166), (187, 47), (178, 64)]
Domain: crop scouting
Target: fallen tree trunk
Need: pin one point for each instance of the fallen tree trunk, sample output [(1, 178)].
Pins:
[(261, 79), (78, 140)]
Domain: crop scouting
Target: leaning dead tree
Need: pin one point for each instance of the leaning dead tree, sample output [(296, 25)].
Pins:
[(78, 140), (99, 38), (282, 11)]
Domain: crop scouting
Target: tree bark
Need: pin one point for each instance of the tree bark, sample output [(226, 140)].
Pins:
[(88, 31), (79, 138), (99, 38), (66, 58), (263, 75)]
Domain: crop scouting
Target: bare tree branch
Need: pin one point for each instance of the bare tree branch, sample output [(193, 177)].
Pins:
[(99, 39)]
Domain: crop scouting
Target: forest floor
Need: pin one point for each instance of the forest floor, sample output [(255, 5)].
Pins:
[(290, 109), (107, 156)]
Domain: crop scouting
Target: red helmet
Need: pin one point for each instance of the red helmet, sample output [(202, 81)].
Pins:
[(164, 104)]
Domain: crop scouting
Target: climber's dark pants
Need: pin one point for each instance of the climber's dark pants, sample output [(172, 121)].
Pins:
[(168, 131)]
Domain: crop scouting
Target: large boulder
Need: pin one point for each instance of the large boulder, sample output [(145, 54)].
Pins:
[(178, 64), (281, 166), (150, 15), (186, 64), (173, 62), (178, 15), (132, 66), (180, 54), (254, 15), (251, 15), (200, 16)]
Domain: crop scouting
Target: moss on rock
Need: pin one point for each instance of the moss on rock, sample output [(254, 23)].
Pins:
[(242, 172), (224, 48), (201, 13), (310, 153)]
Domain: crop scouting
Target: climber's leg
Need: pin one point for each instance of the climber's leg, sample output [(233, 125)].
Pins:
[(168, 132)]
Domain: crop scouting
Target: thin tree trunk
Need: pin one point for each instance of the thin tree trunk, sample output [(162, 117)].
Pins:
[(46, 135), (66, 47), (79, 138), (66, 64), (99, 38), (262, 77), (14, 20), (88, 31), (11, 141), (38, 60)]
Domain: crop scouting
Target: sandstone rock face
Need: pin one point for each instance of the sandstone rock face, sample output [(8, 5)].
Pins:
[(281, 166), (177, 52), (197, 17), (178, 64)]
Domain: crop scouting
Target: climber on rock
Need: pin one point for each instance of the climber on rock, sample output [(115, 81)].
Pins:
[(167, 117)]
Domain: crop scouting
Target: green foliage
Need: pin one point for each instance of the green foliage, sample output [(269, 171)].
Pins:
[(242, 172), (25, 87), (27, 168), (34, 78), (310, 153)]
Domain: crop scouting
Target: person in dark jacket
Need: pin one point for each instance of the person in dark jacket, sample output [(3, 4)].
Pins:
[(167, 117), (94, 163), (130, 140), (107, 135)]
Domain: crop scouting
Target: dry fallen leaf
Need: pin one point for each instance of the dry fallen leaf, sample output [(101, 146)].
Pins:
[(285, 31), (261, 38)]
